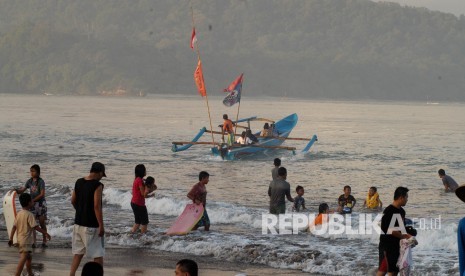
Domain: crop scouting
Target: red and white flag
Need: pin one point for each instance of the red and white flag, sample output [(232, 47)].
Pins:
[(193, 38)]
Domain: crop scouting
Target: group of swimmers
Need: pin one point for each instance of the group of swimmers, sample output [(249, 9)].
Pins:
[(279, 189), (346, 202)]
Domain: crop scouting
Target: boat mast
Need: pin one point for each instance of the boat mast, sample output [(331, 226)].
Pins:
[(196, 45), (239, 106)]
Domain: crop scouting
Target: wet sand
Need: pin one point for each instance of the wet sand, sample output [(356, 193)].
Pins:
[(56, 260)]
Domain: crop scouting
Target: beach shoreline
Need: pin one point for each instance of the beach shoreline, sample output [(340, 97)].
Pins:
[(56, 261)]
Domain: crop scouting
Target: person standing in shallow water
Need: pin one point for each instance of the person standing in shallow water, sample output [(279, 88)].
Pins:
[(198, 195), (140, 192), (278, 190), (449, 183), (274, 171), (389, 240), (36, 185), (88, 229)]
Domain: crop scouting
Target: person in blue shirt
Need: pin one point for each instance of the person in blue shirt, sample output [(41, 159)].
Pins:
[(460, 192)]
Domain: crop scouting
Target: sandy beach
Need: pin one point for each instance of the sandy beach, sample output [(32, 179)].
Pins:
[(56, 260)]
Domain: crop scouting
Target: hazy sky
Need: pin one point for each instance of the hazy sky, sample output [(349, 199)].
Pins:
[(456, 7)]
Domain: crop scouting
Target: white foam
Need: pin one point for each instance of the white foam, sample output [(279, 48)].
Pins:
[(219, 212)]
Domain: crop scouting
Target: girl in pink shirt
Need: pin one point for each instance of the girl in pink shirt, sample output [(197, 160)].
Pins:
[(139, 193)]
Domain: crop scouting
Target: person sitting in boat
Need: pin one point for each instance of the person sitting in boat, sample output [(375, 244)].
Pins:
[(242, 140), (266, 132), (251, 139), (274, 132)]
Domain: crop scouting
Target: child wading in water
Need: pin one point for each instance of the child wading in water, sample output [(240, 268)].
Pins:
[(299, 201), (346, 201), (372, 201), (25, 224)]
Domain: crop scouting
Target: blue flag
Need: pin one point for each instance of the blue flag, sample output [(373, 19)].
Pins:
[(234, 92)]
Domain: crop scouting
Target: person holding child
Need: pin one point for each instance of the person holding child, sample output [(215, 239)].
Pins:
[(346, 201), (140, 192), (25, 223), (372, 201)]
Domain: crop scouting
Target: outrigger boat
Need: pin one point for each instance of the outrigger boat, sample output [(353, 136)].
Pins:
[(282, 131)]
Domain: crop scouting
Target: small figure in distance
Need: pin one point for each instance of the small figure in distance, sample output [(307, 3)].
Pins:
[(25, 223), (266, 132), (346, 201), (449, 183), (299, 201), (274, 171), (186, 267), (372, 201), (241, 140), (92, 269)]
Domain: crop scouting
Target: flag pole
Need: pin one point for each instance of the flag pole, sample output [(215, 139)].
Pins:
[(239, 106), (198, 57)]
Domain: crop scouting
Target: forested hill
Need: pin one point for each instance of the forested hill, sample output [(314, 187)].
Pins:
[(337, 49)]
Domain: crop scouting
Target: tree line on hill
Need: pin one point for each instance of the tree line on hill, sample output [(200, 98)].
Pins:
[(335, 49)]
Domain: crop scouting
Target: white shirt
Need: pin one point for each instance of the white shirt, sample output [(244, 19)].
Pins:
[(241, 140)]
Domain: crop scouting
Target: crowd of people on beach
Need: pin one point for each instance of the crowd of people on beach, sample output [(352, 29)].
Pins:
[(89, 231), (88, 228)]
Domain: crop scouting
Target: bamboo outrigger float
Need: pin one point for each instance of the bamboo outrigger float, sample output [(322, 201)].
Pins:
[(283, 129)]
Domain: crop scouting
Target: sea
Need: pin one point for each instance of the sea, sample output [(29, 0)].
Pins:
[(360, 143)]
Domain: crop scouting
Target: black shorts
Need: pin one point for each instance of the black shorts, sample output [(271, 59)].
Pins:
[(388, 259), (140, 214)]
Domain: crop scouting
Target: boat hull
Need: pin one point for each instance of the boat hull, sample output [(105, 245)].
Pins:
[(284, 128)]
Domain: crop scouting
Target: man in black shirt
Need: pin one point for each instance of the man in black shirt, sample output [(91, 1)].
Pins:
[(393, 230), (88, 230)]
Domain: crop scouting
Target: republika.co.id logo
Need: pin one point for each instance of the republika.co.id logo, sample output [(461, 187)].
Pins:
[(337, 224)]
